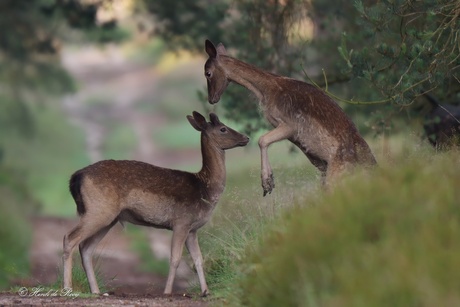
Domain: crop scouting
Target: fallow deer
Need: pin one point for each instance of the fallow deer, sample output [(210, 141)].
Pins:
[(298, 111), (111, 191)]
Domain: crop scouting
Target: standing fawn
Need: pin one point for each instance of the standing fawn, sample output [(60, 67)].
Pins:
[(111, 191), (298, 111)]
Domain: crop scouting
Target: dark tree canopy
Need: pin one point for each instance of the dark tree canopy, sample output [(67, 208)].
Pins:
[(413, 47)]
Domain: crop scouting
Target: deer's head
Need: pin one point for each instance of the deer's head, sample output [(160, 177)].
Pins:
[(222, 136), (214, 73)]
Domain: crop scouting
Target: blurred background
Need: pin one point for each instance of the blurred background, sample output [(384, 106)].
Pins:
[(86, 80)]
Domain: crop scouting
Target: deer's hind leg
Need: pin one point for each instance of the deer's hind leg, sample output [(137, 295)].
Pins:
[(335, 171), (86, 228), (321, 165), (87, 248), (317, 162), (71, 240)]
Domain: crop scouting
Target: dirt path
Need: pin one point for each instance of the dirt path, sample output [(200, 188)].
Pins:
[(119, 266), (60, 299)]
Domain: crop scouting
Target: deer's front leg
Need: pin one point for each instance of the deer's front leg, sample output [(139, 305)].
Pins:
[(195, 252), (177, 245), (283, 131)]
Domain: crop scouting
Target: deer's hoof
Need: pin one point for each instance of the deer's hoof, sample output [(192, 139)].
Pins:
[(268, 184), (205, 293)]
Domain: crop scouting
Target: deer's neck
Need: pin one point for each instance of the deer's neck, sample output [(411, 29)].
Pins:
[(212, 173), (254, 79)]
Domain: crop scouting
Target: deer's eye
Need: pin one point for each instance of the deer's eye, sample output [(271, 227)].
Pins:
[(223, 129), (207, 74)]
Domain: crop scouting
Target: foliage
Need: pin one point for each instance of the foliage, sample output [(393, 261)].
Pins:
[(15, 232), (186, 24), (412, 47), (379, 239)]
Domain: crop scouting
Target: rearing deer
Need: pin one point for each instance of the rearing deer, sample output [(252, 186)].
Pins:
[(298, 111), (111, 191)]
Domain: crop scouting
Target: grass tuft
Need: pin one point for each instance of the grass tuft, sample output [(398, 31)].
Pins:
[(241, 220), (80, 282)]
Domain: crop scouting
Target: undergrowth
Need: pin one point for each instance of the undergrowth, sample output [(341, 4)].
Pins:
[(241, 219), (388, 237), (16, 205), (382, 239)]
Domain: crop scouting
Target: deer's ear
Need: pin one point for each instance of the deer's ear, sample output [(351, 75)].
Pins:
[(214, 119), (192, 122), (221, 49), (210, 49), (197, 121)]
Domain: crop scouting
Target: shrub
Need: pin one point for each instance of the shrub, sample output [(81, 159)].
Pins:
[(15, 231), (389, 238)]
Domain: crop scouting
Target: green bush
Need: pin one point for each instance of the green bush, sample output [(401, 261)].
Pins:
[(387, 238), (15, 230), (14, 244)]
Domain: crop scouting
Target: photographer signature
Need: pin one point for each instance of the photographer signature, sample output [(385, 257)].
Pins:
[(42, 292)]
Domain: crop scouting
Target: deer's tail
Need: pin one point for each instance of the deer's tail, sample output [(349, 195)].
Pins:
[(75, 189)]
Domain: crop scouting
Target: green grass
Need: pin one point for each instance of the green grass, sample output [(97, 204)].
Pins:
[(385, 238), (242, 216), (80, 282)]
